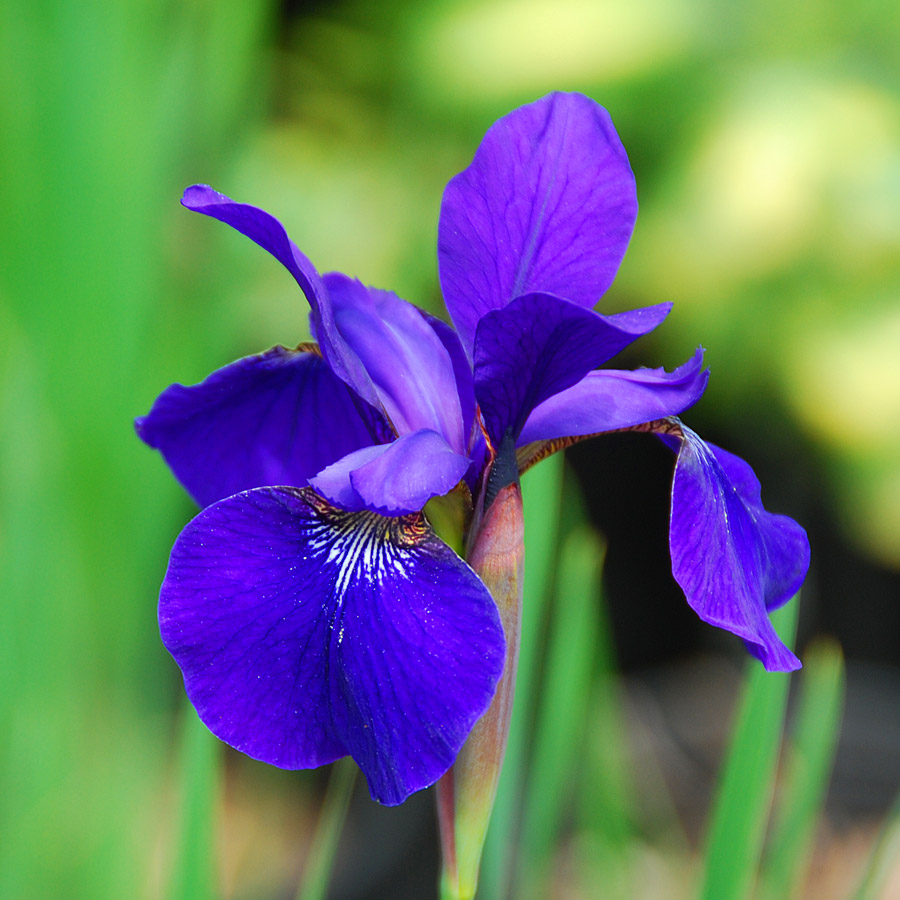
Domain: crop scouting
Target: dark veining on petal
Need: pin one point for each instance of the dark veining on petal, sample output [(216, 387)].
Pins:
[(402, 531), (309, 347)]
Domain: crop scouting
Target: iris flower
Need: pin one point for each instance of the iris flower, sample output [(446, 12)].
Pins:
[(312, 609)]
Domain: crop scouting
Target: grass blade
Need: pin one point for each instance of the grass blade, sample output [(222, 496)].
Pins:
[(564, 706), (735, 836), (320, 860), (810, 757), (193, 874)]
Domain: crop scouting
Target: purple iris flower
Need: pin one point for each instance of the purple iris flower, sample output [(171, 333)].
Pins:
[(313, 611)]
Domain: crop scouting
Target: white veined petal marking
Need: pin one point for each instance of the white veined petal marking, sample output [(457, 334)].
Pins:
[(360, 546)]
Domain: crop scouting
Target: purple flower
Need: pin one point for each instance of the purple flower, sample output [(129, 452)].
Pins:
[(311, 608)]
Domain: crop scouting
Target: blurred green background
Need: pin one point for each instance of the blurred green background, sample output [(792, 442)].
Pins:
[(765, 138)]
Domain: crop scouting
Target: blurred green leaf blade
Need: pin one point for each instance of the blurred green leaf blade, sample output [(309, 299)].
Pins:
[(746, 783), (810, 755)]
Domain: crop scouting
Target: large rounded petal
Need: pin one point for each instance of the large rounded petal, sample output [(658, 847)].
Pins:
[(305, 633), (733, 559), (265, 230), (540, 345), (548, 204), (393, 479), (275, 418), (609, 399)]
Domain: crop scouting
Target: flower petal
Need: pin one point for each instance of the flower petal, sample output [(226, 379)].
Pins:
[(269, 233), (608, 399), (305, 633), (476, 446), (275, 418), (548, 204), (393, 479), (540, 345), (403, 355), (462, 371), (733, 560)]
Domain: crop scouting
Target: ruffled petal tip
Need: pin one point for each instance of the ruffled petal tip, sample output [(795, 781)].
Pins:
[(734, 560)]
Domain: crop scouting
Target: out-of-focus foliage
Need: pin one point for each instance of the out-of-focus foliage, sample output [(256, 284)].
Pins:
[(766, 142)]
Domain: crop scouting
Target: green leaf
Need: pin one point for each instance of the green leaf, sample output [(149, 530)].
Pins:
[(565, 706), (809, 760), (320, 859), (193, 875), (735, 836)]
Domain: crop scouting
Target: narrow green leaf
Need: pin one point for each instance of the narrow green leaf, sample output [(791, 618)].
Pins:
[(564, 706), (193, 874), (741, 810), (608, 805), (810, 757), (542, 493), (320, 860), (607, 810)]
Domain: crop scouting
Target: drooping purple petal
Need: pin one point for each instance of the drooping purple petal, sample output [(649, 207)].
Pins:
[(404, 357), (275, 418), (548, 204), (608, 399), (393, 479), (265, 230), (305, 633), (539, 345), (733, 560)]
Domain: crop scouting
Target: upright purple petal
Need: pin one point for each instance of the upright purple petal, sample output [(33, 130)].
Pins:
[(393, 479), (476, 446), (608, 399), (305, 633), (269, 233), (733, 559), (404, 357), (275, 418), (462, 371), (548, 204), (540, 345)]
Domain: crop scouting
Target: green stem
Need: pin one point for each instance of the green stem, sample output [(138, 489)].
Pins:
[(466, 793)]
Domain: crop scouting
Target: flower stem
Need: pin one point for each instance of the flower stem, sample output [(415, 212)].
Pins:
[(466, 793)]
